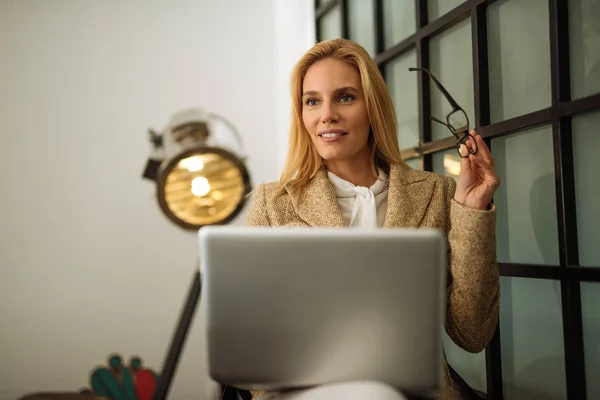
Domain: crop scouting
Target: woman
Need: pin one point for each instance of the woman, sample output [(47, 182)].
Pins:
[(344, 168)]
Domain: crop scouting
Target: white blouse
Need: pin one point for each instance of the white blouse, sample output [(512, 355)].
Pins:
[(361, 206)]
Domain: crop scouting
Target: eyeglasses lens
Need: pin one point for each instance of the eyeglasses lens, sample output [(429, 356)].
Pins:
[(458, 121)]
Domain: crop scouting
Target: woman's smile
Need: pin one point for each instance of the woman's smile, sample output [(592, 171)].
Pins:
[(332, 135)]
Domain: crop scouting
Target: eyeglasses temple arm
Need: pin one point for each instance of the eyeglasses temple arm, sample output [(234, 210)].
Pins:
[(450, 99)]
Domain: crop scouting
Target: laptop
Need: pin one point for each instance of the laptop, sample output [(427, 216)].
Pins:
[(290, 308)]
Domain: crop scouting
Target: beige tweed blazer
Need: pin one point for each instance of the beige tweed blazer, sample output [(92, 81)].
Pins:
[(420, 200)]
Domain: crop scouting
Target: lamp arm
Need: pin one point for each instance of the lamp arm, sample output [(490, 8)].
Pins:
[(178, 341)]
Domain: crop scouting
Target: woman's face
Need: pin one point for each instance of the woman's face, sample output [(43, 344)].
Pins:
[(334, 111)]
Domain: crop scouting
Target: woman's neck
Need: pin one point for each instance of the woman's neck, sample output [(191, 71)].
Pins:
[(357, 170)]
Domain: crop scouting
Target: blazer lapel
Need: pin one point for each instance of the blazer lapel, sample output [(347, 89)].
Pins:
[(317, 203), (409, 195)]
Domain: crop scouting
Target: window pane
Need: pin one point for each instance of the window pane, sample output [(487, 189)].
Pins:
[(519, 57), (526, 226), (437, 8), (584, 27), (452, 63), (414, 163), (531, 334), (399, 21), (471, 367), (586, 148), (361, 24), (404, 90), (590, 298), (447, 163), (331, 25)]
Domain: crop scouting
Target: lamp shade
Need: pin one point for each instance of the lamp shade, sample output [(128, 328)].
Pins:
[(204, 180)]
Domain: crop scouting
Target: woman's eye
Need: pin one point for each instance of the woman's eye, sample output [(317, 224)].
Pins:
[(311, 102), (347, 97)]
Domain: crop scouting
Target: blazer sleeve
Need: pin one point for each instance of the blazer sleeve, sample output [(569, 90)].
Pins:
[(473, 278), (258, 215)]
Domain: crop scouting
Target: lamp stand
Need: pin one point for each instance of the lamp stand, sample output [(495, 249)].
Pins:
[(174, 352)]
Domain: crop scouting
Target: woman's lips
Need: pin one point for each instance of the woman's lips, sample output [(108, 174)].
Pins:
[(332, 135)]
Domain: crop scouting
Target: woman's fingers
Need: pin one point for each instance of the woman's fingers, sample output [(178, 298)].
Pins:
[(482, 162), (465, 162), (483, 149), (483, 157)]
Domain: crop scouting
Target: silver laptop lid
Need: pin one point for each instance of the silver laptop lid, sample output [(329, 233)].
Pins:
[(297, 307)]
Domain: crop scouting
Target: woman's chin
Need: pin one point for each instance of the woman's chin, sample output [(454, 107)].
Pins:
[(338, 154), (329, 156)]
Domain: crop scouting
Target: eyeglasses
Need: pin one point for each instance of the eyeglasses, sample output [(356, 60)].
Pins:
[(456, 121)]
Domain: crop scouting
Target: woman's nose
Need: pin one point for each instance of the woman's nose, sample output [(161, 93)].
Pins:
[(329, 114)]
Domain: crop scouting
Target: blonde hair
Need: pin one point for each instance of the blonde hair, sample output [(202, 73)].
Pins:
[(303, 161)]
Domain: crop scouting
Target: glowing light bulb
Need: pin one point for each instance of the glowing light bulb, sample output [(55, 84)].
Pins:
[(200, 186)]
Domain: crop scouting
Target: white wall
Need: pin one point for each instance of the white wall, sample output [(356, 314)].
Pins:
[(294, 27), (88, 264)]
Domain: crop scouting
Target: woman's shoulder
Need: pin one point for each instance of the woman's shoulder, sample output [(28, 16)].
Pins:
[(269, 191), (268, 188)]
